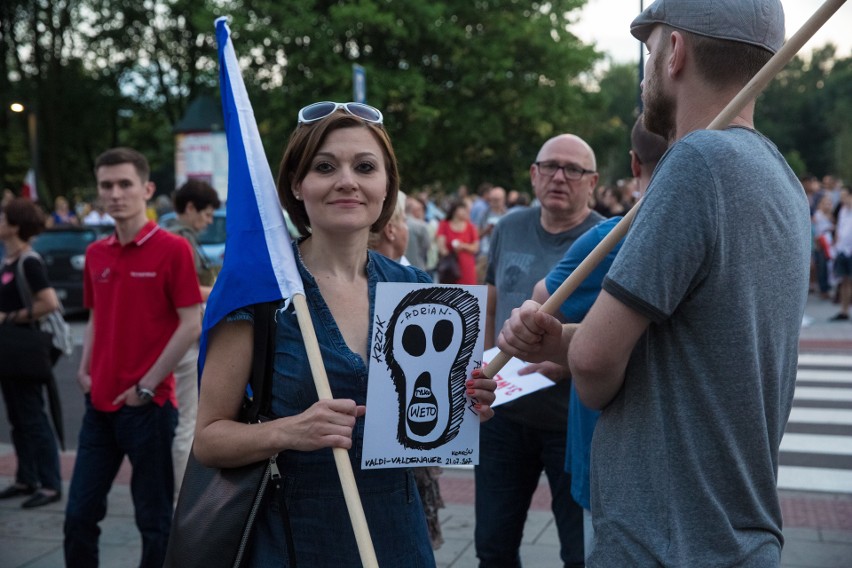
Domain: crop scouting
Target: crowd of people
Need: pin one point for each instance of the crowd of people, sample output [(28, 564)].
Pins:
[(462, 225), (661, 435), (831, 226)]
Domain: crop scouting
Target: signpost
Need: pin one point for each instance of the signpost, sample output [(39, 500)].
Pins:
[(359, 84)]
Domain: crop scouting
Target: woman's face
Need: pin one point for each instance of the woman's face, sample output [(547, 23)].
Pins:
[(346, 183), (462, 213)]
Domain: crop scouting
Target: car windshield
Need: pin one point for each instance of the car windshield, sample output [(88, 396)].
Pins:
[(214, 234), (54, 241)]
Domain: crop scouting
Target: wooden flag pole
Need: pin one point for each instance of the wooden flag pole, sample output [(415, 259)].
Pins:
[(341, 456), (748, 93)]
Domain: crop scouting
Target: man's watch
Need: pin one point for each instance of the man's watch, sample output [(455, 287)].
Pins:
[(145, 395)]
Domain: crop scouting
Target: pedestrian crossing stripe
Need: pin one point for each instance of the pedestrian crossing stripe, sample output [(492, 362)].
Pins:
[(825, 360), (823, 393), (821, 416), (797, 478), (838, 376), (812, 443)]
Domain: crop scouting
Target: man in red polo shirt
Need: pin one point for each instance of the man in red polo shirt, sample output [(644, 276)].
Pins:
[(145, 311)]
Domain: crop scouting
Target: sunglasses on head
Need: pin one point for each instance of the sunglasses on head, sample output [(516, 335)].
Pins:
[(318, 111)]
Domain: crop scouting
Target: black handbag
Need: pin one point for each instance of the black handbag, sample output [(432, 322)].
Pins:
[(25, 353), (217, 507), (449, 271)]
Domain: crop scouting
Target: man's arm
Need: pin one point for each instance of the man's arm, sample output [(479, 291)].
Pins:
[(601, 347), (186, 334), (540, 294), (84, 377)]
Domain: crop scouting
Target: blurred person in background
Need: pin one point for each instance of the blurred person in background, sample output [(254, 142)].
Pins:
[(822, 222), (98, 215), (420, 241), (496, 200), (38, 474), (62, 214), (194, 202), (843, 259), (457, 235), (393, 239)]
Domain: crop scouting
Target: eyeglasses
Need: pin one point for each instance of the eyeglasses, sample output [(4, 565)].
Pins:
[(570, 171), (318, 111)]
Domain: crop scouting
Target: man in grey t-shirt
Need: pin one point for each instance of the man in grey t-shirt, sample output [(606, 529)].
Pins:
[(527, 436), (691, 347)]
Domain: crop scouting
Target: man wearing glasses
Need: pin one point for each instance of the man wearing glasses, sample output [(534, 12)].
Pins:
[(528, 435), (691, 348)]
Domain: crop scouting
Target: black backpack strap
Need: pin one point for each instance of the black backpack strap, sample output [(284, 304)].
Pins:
[(260, 403), (21, 279)]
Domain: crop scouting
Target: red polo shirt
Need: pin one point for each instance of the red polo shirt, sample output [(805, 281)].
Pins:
[(135, 291)]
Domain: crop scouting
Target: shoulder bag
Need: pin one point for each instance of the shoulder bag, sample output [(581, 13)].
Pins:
[(53, 323), (217, 507), (25, 352)]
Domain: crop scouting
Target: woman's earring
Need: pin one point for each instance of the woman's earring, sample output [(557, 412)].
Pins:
[(298, 196)]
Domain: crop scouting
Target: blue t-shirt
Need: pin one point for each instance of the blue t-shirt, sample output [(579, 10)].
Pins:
[(581, 420)]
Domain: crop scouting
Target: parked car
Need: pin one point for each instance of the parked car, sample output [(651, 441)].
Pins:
[(64, 252), (211, 239)]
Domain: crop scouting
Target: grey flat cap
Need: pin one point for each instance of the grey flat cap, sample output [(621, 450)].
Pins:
[(757, 22)]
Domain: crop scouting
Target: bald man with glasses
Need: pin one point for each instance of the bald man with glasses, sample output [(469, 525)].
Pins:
[(528, 436)]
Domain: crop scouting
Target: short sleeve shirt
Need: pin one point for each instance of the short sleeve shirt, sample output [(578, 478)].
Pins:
[(521, 254), (685, 457), (135, 291), (34, 272)]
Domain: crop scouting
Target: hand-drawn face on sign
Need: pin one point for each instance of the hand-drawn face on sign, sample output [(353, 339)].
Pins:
[(428, 344)]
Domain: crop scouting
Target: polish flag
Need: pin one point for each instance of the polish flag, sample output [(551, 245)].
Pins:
[(28, 189)]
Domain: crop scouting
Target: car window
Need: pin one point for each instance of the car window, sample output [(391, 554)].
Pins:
[(214, 233), (51, 241)]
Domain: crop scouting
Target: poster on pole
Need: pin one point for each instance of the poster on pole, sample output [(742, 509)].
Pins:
[(510, 384), (426, 341)]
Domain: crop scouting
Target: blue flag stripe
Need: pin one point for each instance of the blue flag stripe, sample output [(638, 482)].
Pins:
[(259, 264)]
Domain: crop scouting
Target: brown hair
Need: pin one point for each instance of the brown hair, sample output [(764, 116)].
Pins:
[(26, 215), (200, 193), (647, 146), (304, 144), (116, 156), (724, 62)]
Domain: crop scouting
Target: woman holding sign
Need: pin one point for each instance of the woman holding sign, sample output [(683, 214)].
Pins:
[(339, 182)]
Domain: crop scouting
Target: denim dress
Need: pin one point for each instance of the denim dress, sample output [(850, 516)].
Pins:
[(309, 502)]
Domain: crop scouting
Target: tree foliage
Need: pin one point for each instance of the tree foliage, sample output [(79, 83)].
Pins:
[(806, 110), (470, 90)]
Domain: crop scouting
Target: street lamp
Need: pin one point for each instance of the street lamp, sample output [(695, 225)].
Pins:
[(32, 133)]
